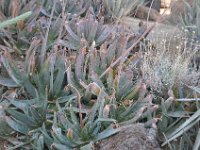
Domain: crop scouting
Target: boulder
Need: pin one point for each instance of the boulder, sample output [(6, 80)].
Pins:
[(131, 137), (144, 12)]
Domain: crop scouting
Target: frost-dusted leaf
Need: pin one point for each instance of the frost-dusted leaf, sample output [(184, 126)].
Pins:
[(106, 134), (79, 64), (197, 141), (105, 33), (51, 62), (121, 45), (60, 137), (124, 85), (23, 118), (21, 105), (189, 123), (8, 82), (38, 114), (39, 143), (88, 29), (96, 106), (89, 146), (17, 126), (5, 129), (116, 9), (72, 34), (20, 78), (74, 117), (70, 78), (47, 139), (58, 82), (60, 146), (96, 79), (66, 98), (177, 114), (69, 44), (134, 92), (93, 31)]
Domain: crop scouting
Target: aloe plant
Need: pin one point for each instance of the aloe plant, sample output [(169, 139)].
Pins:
[(60, 99), (180, 118), (85, 31), (118, 8), (115, 10)]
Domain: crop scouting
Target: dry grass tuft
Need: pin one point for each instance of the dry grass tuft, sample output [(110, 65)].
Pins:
[(170, 64)]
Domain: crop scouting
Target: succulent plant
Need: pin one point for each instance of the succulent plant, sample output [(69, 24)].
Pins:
[(180, 119), (75, 85), (85, 31), (115, 10)]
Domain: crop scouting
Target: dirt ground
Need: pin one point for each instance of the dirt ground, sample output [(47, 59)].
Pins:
[(160, 32)]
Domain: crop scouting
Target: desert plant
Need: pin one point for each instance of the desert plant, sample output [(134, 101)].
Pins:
[(115, 10), (180, 120), (75, 86), (85, 31), (64, 96)]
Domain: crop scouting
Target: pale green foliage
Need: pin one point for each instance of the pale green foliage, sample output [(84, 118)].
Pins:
[(190, 20), (83, 32), (61, 100), (14, 20)]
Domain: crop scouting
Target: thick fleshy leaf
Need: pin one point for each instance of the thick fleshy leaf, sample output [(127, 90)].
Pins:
[(89, 146), (17, 76), (184, 127), (23, 118), (106, 134), (197, 141), (60, 146), (17, 126), (8, 82)]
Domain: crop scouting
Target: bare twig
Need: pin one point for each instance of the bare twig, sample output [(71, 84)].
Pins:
[(187, 99), (126, 52)]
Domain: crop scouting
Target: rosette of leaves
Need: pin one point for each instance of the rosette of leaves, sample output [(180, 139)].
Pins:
[(115, 10), (85, 31), (46, 82), (18, 38), (32, 118), (118, 84), (42, 86), (72, 8), (73, 132), (78, 108)]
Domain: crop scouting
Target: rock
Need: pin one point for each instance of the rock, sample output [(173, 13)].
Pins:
[(131, 137), (144, 12)]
